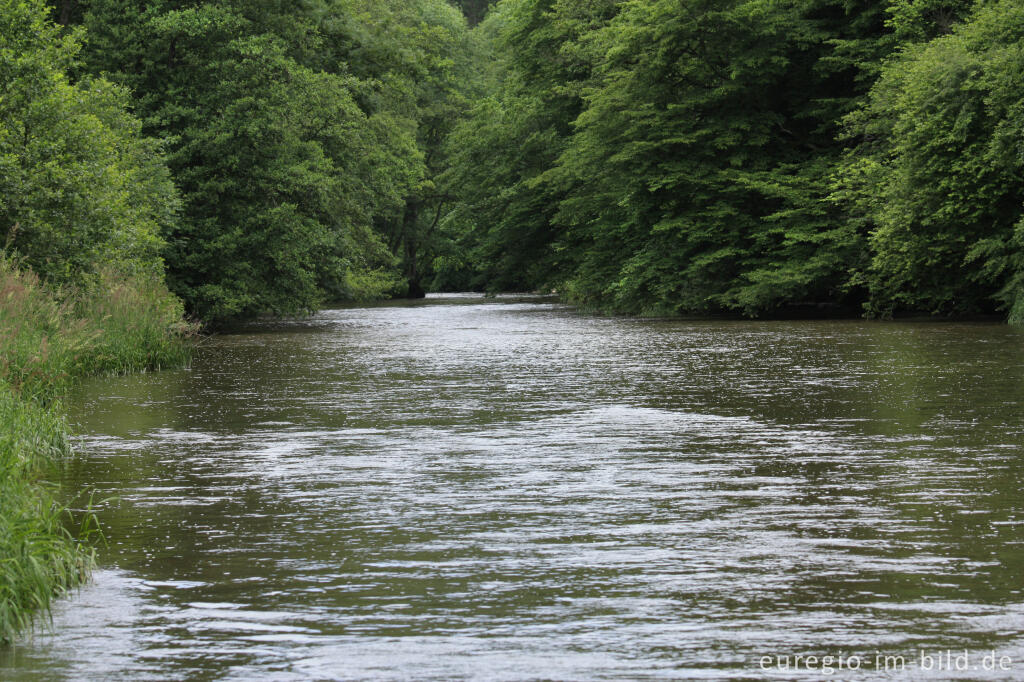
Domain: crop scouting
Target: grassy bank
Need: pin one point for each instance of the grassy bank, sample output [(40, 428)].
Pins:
[(48, 340)]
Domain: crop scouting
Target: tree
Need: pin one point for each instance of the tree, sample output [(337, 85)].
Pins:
[(676, 156), (937, 174), (475, 10), (696, 175), (423, 58), (80, 187), (279, 168), (515, 135)]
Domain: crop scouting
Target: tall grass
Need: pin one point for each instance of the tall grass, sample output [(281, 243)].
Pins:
[(108, 324), (48, 339), (39, 556)]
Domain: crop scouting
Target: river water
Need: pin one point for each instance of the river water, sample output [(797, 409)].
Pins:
[(473, 488)]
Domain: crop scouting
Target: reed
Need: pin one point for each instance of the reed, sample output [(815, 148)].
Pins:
[(39, 556), (48, 339)]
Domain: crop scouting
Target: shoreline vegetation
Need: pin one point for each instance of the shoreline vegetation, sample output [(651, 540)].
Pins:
[(48, 341), (645, 157)]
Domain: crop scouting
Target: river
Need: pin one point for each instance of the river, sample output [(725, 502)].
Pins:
[(472, 488)]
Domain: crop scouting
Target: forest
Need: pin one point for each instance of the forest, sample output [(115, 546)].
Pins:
[(219, 160), (658, 158)]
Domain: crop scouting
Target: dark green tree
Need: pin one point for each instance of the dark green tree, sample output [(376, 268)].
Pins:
[(475, 10), (515, 135), (420, 66), (281, 171), (938, 172), (677, 156)]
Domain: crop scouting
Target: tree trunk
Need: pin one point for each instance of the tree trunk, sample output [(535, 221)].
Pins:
[(412, 272), (66, 8)]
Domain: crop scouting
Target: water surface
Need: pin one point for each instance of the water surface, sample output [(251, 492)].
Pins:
[(506, 489)]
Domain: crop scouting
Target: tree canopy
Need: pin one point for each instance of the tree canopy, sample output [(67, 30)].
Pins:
[(686, 156), (80, 187), (642, 156)]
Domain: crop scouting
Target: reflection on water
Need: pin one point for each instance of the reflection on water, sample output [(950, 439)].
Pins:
[(502, 489)]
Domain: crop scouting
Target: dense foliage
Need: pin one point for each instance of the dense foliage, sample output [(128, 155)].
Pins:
[(79, 186), (688, 156), (939, 167), (303, 139), (474, 9), (643, 156)]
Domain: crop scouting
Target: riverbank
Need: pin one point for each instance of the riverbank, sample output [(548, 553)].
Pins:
[(48, 340)]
